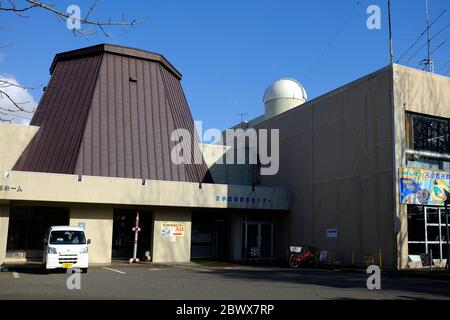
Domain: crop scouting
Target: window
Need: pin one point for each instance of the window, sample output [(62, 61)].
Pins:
[(67, 237), (425, 133), (427, 231)]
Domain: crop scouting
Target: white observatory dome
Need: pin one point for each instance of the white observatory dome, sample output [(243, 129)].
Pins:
[(282, 95)]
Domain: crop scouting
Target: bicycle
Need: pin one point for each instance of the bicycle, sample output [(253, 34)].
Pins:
[(300, 255)]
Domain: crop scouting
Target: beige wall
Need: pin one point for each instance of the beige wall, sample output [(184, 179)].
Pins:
[(420, 92), (13, 140), (102, 190), (99, 228), (163, 249), (4, 223), (336, 156)]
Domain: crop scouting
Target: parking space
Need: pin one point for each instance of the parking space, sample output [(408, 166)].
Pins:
[(190, 281)]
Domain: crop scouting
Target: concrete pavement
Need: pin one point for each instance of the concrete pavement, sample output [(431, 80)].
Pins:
[(202, 282)]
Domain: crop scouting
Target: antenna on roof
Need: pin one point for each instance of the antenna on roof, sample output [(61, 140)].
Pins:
[(428, 62), (242, 114), (391, 60)]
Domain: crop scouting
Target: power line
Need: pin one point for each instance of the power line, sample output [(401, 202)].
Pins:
[(314, 65), (435, 49), (439, 46), (423, 45), (421, 35)]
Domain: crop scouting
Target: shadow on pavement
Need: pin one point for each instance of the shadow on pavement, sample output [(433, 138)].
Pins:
[(341, 280)]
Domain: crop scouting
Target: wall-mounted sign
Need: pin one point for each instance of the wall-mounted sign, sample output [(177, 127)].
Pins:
[(244, 200), (332, 233), (423, 187), (172, 230), (8, 188)]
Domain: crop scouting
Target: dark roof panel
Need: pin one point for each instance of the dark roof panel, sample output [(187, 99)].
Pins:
[(111, 114), (117, 50), (61, 115)]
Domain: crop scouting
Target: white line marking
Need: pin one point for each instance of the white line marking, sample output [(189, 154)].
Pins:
[(114, 270), (194, 268), (153, 269), (16, 275)]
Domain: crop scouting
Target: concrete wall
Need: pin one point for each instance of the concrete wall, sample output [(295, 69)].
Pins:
[(102, 190), (4, 223), (99, 228), (13, 140), (420, 92), (171, 249), (336, 155)]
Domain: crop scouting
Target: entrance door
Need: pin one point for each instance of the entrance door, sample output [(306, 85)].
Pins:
[(210, 236), (123, 235), (259, 240)]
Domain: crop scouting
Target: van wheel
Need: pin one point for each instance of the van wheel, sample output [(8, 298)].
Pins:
[(84, 270)]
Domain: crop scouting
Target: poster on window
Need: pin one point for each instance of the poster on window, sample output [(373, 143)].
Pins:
[(172, 230), (424, 187)]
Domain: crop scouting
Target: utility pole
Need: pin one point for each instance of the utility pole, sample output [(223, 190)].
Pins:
[(391, 49), (429, 63)]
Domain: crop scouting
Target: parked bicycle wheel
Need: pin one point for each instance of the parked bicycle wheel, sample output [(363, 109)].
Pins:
[(294, 261)]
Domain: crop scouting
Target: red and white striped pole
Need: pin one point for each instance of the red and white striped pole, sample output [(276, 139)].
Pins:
[(136, 230)]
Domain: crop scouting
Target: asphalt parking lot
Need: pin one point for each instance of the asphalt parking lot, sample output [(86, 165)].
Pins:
[(192, 282)]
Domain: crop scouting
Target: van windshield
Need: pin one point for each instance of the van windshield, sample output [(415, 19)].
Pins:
[(67, 237)]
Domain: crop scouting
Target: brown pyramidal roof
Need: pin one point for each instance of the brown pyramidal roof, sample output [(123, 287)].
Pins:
[(110, 111)]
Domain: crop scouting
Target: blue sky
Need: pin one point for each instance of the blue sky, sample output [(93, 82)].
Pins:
[(230, 51)]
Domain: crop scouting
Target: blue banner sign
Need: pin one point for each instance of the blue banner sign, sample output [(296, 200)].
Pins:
[(424, 187)]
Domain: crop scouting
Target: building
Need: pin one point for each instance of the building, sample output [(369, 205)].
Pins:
[(98, 150), (364, 170), (357, 160)]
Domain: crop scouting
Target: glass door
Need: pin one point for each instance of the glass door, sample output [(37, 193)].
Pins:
[(259, 240), (253, 241)]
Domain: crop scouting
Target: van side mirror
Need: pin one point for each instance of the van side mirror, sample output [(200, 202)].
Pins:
[(89, 241)]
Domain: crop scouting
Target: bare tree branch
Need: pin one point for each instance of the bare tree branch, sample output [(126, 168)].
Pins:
[(5, 84), (90, 28), (86, 20), (16, 104), (15, 107), (63, 16), (91, 9)]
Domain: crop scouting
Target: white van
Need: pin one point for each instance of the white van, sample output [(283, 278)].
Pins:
[(65, 247)]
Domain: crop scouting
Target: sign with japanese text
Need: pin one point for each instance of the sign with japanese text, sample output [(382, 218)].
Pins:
[(173, 230), (8, 188), (424, 187)]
